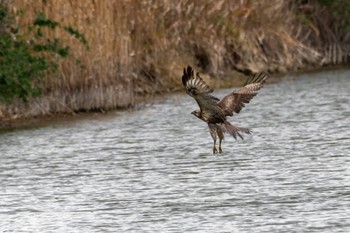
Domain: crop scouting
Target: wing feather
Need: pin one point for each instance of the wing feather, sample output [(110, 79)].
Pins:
[(236, 100), (197, 88), (194, 85)]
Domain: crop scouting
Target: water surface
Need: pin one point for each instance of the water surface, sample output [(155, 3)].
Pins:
[(152, 170)]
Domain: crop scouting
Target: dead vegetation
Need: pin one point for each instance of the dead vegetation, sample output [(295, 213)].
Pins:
[(139, 47)]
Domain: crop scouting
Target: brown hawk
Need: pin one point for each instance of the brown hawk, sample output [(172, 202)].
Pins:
[(214, 111)]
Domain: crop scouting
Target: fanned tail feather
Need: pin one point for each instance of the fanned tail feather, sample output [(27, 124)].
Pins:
[(233, 130)]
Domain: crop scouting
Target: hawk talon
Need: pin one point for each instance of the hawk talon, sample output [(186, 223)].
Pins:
[(220, 150), (214, 150)]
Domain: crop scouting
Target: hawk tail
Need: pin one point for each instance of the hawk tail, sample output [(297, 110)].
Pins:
[(233, 130)]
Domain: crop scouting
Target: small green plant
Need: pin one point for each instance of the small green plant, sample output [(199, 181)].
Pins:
[(27, 57), (340, 10)]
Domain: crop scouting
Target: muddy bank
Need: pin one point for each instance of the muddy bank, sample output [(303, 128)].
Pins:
[(139, 48)]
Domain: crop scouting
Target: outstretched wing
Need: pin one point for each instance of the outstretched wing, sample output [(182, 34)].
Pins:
[(236, 100), (199, 90), (194, 84)]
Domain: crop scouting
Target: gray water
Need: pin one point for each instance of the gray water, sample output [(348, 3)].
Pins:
[(152, 169)]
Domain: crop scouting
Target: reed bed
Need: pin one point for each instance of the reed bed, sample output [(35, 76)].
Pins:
[(139, 47)]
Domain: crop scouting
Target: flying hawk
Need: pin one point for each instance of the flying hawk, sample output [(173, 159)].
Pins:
[(214, 111)]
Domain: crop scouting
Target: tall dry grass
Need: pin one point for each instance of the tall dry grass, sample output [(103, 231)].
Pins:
[(139, 47)]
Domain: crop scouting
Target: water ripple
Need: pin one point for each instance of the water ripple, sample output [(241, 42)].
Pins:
[(152, 170)]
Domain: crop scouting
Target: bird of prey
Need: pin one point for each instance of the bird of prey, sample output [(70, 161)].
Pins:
[(214, 111)]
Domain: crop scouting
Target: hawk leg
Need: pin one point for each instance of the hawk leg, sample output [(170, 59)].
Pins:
[(220, 150), (214, 147), (221, 136), (213, 133)]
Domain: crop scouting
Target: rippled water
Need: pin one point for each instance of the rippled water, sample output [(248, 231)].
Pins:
[(152, 170)]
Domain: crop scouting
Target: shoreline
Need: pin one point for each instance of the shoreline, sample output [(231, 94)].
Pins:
[(46, 120), (52, 119), (137, 51)]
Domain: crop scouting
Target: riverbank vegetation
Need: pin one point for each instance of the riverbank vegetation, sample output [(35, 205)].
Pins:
[(139, 48), (27, 57)]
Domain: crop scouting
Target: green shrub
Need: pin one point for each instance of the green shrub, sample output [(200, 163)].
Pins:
[(27, 57)]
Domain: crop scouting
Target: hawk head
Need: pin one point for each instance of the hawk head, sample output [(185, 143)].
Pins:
[(201, 115), (197, 113)]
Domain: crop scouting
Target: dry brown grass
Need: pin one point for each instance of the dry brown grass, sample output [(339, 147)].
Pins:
[(140, 47)]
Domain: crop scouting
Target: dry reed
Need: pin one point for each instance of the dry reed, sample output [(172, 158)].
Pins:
[(139, 47)]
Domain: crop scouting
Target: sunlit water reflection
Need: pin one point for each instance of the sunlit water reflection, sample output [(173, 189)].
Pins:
[(152, 170)]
